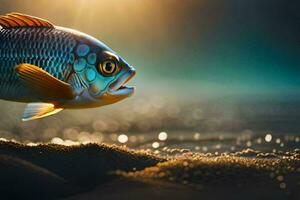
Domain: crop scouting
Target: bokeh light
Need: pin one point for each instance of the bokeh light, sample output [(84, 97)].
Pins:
[(162, 136), (268, 138), (122, 138), (155, 145)]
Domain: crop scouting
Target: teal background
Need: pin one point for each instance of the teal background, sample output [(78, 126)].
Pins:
[(199, 48), (202, 65)]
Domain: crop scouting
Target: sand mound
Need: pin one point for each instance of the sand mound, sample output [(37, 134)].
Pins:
[(259, 175), (49, 170), (22, 179)]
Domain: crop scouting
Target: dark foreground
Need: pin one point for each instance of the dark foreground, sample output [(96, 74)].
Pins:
[(94, 171)]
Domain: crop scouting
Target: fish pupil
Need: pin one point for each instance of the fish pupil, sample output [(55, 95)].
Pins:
[(108, 66)]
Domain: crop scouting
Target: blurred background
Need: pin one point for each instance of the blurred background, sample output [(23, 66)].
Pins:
[(204, 68)]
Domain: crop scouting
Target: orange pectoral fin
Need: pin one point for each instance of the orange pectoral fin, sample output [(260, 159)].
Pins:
[(44, 83)]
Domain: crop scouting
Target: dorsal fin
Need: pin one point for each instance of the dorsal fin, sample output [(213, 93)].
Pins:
[(16, 20)]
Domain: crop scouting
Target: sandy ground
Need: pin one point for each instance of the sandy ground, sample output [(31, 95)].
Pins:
[(94, 171)]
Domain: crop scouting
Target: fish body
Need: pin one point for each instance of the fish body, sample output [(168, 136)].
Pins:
[(53, 68), (53, 50)]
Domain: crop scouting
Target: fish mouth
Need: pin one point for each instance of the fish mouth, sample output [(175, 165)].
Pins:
[(118, 88)]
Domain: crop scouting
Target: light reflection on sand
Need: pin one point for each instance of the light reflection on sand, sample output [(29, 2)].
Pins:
[(164, 143)]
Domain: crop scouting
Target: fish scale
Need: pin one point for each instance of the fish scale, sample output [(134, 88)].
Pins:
[(50, 49)]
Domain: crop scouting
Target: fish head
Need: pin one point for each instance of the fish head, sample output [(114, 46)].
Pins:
[(115, 72), (104, 72)]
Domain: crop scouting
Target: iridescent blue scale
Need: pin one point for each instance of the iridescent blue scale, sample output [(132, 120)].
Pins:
[(50, 49)]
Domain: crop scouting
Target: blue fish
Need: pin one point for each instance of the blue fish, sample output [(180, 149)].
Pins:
[(54, 68)]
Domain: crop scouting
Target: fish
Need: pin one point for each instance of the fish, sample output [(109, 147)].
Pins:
[(52, 68)]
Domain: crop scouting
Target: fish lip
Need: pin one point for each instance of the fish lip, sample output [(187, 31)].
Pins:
[(118, 86)]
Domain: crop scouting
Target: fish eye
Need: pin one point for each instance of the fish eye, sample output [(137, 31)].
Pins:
[(108, 68)]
